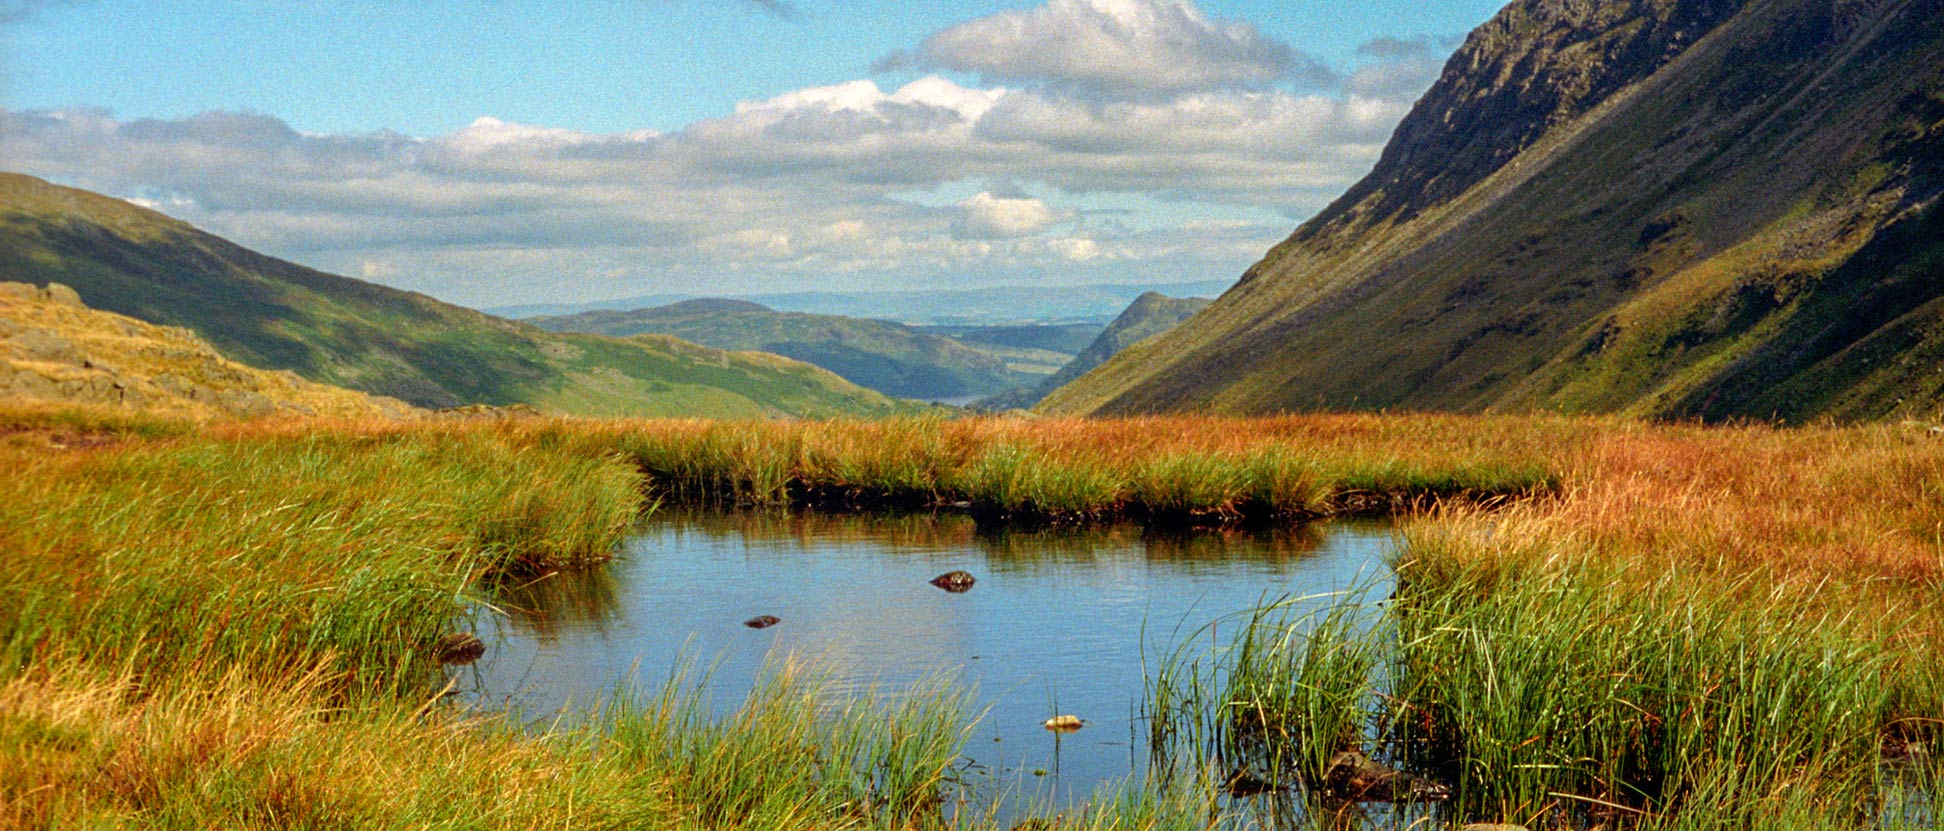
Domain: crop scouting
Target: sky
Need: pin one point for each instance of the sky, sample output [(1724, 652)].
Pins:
[(498, 152)]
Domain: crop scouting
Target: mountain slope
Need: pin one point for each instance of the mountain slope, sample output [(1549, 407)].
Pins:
[(888, 357), (1702, 208), (275, 314), (55, 349), (1149, 315)]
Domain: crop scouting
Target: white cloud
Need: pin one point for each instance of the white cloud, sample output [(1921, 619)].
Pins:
[(1398, 69), (810, 186), (985, 216), (1114, 47), (1078, 249), (487, 135)]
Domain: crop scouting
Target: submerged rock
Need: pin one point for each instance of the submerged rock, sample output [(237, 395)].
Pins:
[(762, 621), (954, 581), (460, 648), (1064, 724), (1244, 783), (1354, 776)]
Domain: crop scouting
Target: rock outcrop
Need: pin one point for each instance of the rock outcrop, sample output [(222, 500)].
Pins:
[(54, 349), (1705, 209)]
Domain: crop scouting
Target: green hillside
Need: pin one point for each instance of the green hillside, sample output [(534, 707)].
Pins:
[(1710, 209), (889, 357), (1149, 315), (274, 314)]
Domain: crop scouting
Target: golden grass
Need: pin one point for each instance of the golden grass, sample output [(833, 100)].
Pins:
[(62, 353), (228, 624)]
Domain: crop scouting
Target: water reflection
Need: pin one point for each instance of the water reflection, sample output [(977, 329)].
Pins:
[(922, 532), (567, 601), (1060, 621)]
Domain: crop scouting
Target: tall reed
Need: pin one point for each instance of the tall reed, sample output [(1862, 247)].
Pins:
[(1265, 698), (280, 551), (1173, 470), (1655, 695)]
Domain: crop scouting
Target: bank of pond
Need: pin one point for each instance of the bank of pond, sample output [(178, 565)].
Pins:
[(1305, 622)]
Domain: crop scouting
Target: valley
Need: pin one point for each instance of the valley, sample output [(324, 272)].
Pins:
[(1575, 464)]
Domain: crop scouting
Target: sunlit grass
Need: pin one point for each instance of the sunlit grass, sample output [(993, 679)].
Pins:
[(233, 625), (1181, 470)]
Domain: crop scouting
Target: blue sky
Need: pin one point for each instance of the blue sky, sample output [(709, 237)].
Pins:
[(496, 152)]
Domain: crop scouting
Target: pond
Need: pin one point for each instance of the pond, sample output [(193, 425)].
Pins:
[(1059, 622)]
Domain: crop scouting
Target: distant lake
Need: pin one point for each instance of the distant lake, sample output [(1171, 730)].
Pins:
[(1059, 622)]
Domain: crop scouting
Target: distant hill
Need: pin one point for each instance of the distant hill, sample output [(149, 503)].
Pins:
[(980, 307), (1149, 315), (54, 349), (888, 357), (274, 314), (1710, 209), (1059, 338)]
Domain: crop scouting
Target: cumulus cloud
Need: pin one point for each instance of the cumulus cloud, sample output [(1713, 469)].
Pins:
[(1398, 69), (849, 185), (1115, 48), (986, 216)]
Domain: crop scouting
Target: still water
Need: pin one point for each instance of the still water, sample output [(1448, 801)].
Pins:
[(1059, 622)]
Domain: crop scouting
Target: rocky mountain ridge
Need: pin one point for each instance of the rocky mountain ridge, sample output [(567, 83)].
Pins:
[(1668, 208)]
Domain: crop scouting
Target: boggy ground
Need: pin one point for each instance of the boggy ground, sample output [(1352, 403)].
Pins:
[(1604, 621)]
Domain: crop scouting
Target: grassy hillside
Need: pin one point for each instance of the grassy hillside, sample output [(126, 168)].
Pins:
[(275, 314), (1149, 315), (1713, 209), (888, 357), (55, 351)]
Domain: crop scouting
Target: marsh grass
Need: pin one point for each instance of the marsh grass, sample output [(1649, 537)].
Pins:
[(278, 551), (794, 754), (1590, 688), (80, 746), (1192, 471), (231, 626), (1262, 699), (1548, 685)]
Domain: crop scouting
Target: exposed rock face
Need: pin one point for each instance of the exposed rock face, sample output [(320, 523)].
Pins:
[(1686, 208), (1537, 65), (53, 348)]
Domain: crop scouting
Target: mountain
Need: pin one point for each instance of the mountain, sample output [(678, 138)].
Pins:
[(1149, 315), (55, 349), (1058, 338), (274, 314), (991, 306), (888, 357), (1674, 208)]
